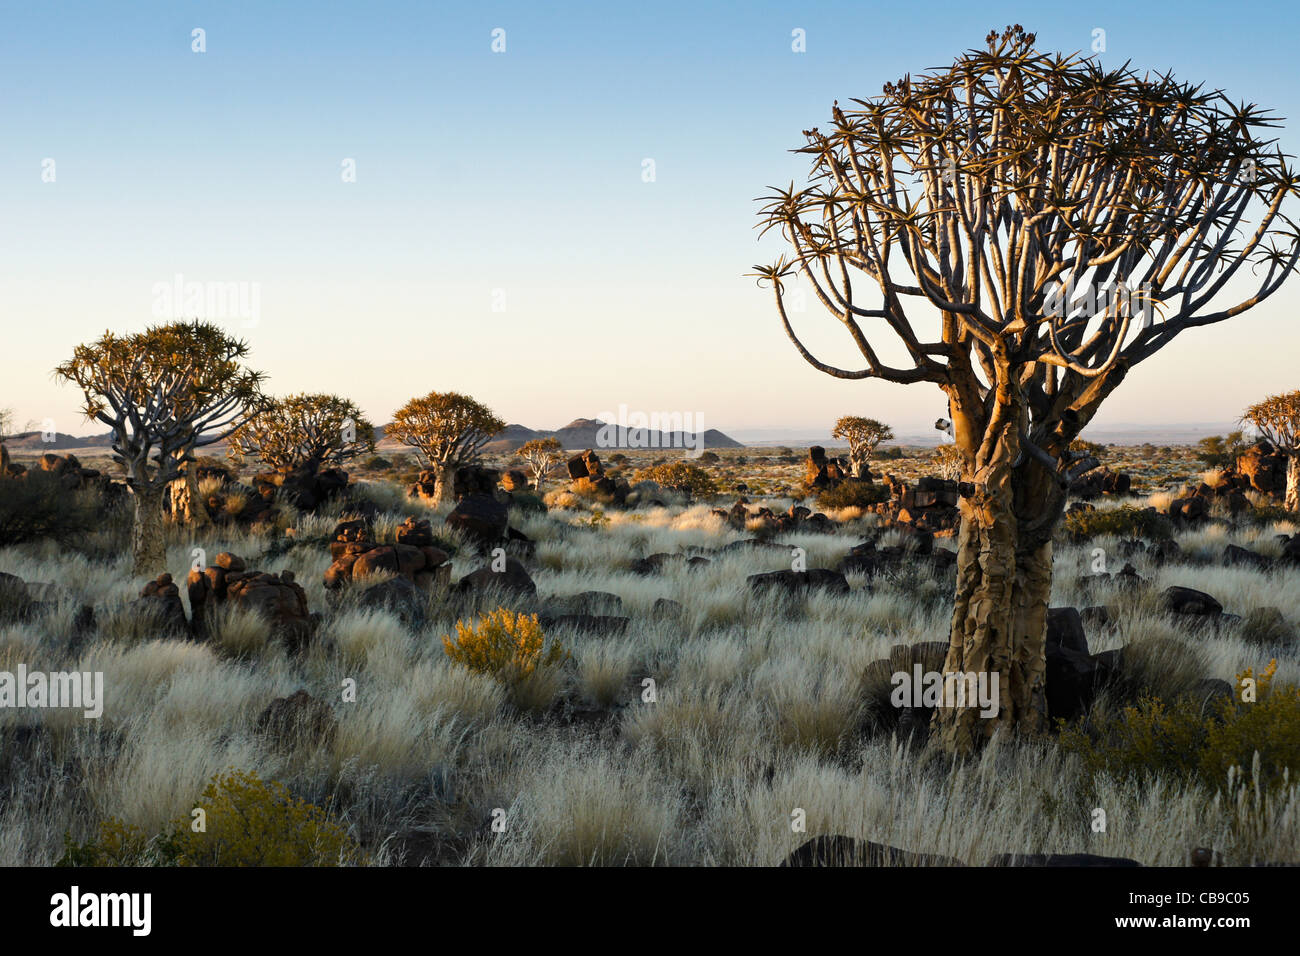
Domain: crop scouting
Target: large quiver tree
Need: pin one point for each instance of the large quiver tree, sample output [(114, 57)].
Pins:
[(163, 393), (863, 435), (447, 430), (1061, 223), (304, 433)]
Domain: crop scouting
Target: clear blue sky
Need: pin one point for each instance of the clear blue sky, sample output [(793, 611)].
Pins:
[(520, 172)]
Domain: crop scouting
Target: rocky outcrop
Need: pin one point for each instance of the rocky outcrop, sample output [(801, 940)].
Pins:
[(798, 583), (162, 599), (1101, 481), (414, 556), (304, 488), (276, 598)]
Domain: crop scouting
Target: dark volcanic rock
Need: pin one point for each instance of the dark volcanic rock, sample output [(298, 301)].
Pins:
[(836, 850), (798, 582)]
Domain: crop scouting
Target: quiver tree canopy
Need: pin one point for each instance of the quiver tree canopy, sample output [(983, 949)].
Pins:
[(304, 431)]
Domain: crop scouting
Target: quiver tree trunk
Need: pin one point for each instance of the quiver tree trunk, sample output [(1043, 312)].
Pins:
[(860, 464), (148, 547), (444, 482), (1004, 586), (1293, 480)]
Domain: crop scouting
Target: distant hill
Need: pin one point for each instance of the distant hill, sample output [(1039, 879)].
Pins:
[(585, 433), (32, 442)]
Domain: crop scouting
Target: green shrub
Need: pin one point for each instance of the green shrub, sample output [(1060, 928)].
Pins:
[(680, 474), (39, 505), (1220, 451), (852, 494), (1190, 738), (1125, 521), (528, 502), (247, 822), (117, 844), (1269, 514)]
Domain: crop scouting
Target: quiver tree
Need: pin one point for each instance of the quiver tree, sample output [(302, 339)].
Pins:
[(1277, 418), (542, 455), (1058, 223), (447, 430), (163, 393), (303, 434), (863, 435)]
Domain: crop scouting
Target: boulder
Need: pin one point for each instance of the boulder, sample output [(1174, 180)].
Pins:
[(514, 480), (1189, 602), (474, 480), (278, 599), (297, 720), (600, 625), (586, 602), (416, 532), (1244, 557), (798, 583), (1065, 629), (481, 518), (656, 563), (837, 850), (1264, 468), (355, 531), (161, 597), (513, 578), (666, 609), (398, 596)]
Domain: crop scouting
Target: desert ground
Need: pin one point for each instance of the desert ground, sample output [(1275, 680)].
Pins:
[(689, 715)]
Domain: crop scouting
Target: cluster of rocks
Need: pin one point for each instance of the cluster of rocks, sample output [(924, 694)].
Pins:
[(256, 508), (277, 598), (414, 556), (588, 479), (916, 547), (65, 469), (306, 489), (303, 488), (821, 472), (1194, 508), (1101, 481), (1261, 468), (931, 506), (768, 522)]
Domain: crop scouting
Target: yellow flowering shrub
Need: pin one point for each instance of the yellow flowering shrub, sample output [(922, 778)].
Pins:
[(510, 647)]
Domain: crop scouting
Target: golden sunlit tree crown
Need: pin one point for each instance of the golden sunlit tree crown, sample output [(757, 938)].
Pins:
[(304, 431)]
